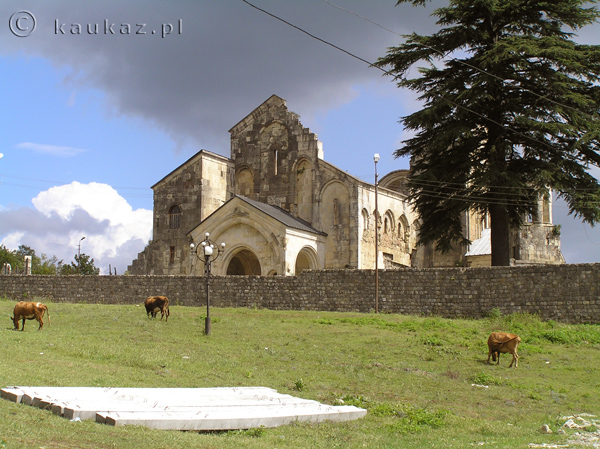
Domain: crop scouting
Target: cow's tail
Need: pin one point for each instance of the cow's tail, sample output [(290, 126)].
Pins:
[(47, 313)]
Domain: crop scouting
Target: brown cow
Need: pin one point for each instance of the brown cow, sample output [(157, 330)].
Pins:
[(28, 311), (501, 342), (155, 304)]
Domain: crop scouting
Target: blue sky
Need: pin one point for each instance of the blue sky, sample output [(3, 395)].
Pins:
[(91, 122)]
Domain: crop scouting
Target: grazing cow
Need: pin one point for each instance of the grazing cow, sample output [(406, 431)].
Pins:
[(155, 304), (28, 311), (501, 342)]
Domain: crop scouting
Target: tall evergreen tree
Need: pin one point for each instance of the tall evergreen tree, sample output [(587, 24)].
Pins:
[(510, 109)]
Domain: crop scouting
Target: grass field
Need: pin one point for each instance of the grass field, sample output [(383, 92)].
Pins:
[(424, 380)]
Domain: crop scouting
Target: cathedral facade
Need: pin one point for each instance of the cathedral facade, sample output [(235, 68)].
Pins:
[(280, 208)]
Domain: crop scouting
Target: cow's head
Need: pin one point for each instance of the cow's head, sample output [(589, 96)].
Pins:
[(15, 322)]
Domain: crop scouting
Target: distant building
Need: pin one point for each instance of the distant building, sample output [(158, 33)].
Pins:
[(280, 208)]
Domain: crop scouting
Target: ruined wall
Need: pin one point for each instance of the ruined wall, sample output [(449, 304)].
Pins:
[(537, 243), (565, 293)]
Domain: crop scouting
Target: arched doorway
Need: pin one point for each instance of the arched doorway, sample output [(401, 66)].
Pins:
[(244, 262), (305, 261)]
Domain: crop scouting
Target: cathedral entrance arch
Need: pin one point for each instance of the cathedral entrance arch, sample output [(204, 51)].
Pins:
[(243, 262)]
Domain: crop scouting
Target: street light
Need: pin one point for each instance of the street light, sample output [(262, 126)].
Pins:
[(376, 159), (79, 255), (207, 255)]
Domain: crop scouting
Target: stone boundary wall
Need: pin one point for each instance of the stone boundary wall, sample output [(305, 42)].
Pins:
[(565, 293)]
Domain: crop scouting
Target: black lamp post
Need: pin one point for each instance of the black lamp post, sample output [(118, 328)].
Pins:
[(207, 254)]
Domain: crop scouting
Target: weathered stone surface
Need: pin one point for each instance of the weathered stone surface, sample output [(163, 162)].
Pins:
[(565, 293)]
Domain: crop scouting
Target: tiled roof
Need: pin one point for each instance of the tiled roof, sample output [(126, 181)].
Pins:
[(281, 215)]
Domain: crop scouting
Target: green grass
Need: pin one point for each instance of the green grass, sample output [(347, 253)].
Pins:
[(415, 375)]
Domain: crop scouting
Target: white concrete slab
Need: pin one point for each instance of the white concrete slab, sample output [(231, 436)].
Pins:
[(12, 394), (232, 417), (181, 408)]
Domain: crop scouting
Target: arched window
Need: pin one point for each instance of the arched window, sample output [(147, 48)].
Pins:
[(377, 219), (364, 222), (174, 217), (388, 222), (403, 228), (546, 209)]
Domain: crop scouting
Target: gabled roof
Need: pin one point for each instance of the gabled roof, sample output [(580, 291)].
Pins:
[(281, 216), (272, 100), (274, 212)]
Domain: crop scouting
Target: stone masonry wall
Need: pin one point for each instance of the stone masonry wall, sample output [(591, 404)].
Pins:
[(565, 293)]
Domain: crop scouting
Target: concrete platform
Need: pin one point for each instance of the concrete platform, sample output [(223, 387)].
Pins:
[(181, 408)]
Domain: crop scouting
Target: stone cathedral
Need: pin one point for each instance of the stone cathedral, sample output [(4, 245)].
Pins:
[(280, 208)]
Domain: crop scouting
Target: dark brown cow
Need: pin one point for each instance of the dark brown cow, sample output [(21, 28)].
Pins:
[(501, 342), (155, 304), (28, 311)]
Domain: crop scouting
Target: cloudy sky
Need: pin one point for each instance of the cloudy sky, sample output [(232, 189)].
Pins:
[(92, 117)]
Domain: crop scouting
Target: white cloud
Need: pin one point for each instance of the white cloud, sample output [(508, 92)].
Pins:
[(101, 201), (53, 150), (13, 240), (114, 232)]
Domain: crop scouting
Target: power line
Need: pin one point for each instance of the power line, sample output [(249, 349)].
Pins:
[(588, 237), (458, 186), (445, 56), (312, 35), (477, 199), (456, 105)]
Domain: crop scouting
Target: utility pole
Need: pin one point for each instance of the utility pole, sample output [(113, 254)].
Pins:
[(376, 159)]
